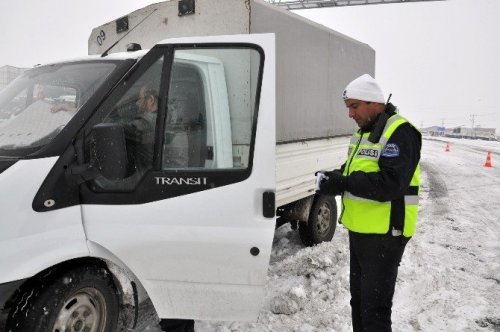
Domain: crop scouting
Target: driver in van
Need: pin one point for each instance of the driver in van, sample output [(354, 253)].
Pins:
[(145, 122), (147, 102), (141, 129)]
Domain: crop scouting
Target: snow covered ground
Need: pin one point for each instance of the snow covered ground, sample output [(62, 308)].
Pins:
[(449, 279)]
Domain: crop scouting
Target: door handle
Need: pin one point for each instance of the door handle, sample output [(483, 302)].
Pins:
[(269, 204)]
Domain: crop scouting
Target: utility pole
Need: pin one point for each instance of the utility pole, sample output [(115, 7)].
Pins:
[(472, 121), (443, 132)]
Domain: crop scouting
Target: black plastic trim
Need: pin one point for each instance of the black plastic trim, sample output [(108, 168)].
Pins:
[(159, 185), (6, 163), (57, 187), (7, 290)]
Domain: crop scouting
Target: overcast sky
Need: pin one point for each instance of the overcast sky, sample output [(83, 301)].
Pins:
[(440, 59)]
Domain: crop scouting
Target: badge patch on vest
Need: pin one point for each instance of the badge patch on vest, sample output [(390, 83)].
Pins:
[(390, 151), (368, 153)]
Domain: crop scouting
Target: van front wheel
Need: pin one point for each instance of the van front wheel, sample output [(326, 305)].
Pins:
[(83, 299), (322, 221)]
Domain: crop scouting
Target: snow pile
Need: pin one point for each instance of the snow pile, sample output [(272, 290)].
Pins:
[(307, 288)]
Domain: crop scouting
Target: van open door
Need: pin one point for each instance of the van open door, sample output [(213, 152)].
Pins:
[(185, 198)]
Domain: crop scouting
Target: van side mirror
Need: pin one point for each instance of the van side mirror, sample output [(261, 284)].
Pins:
[(108, 152)]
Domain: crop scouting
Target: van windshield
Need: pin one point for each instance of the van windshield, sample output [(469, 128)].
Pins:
[(36, 106)]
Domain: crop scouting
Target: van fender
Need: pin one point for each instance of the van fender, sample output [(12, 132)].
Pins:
[(133, 292)]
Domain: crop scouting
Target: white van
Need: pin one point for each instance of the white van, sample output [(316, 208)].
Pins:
[(94, 207)]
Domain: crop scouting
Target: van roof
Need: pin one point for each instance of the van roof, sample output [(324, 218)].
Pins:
[(110, 56)]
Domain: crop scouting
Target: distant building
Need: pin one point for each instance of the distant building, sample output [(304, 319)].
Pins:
[(9, 73), (435, 131), (462, 132), (473, 133)]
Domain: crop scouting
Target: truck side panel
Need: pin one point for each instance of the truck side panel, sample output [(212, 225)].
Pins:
[(314, 64), (296, 163)]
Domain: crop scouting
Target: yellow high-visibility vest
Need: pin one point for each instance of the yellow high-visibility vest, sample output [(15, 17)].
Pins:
[(367, 216)]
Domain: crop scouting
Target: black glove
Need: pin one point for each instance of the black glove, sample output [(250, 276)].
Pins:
[(334, 185)]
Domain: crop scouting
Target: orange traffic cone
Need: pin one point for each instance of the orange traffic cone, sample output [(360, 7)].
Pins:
[(447, 148), (488, 160)]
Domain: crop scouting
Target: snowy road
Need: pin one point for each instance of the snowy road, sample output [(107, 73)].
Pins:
[(449, 279)]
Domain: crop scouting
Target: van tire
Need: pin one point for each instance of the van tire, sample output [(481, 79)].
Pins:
[(322, 221), (84, 298)]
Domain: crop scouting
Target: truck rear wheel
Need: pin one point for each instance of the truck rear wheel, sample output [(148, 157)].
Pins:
[(82, 299), (322, 221)]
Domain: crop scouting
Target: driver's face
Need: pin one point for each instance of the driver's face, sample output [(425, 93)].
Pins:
[(142, 102)]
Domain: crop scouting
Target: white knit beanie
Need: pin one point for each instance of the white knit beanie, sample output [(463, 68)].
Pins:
[(364, 88)]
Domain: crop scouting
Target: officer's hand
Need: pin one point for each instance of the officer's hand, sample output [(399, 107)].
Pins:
[(334, 184)]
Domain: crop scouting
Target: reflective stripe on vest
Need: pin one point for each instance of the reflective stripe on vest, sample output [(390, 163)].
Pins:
[(363, 215)]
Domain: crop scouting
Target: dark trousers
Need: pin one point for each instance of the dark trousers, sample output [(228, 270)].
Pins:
[(177, 325), (374, 261)]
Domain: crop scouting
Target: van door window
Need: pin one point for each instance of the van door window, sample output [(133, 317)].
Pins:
[(210, 109), (136, 110), (189, 114)]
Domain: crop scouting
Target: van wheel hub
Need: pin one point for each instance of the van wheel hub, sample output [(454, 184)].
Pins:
[(84, 311)]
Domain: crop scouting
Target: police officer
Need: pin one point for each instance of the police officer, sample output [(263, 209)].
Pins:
[(379, 184)]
